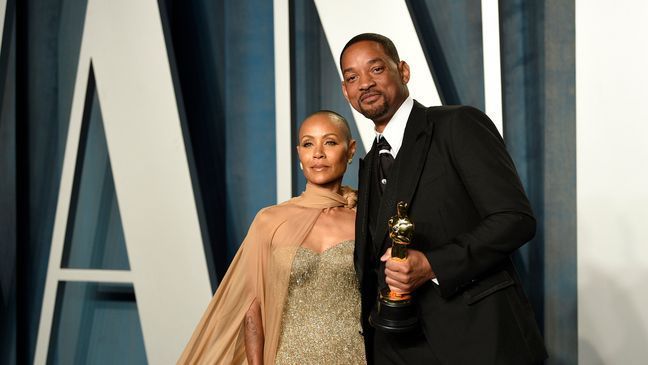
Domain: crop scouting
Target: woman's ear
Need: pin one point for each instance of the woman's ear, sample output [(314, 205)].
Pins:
[(352, 148)]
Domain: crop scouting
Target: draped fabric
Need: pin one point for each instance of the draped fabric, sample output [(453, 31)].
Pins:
[(260, 270)]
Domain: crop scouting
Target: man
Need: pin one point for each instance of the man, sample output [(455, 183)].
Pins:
[(470, 211)]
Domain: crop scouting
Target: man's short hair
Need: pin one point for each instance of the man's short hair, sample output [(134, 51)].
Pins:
[(386, 43)]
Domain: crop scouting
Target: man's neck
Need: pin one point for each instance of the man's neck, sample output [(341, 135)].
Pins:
[(380, 124), (394, 131)]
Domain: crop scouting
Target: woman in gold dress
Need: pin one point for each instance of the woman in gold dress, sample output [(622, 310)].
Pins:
[(290, 295)]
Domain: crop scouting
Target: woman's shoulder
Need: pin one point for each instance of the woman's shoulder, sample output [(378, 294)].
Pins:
[(278, 211)]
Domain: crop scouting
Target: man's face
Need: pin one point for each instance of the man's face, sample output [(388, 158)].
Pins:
[(373, 83)]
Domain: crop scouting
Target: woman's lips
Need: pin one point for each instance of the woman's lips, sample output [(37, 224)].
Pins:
[(319, 167)]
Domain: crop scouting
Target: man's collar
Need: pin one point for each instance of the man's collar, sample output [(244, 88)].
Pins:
[(395, 128)]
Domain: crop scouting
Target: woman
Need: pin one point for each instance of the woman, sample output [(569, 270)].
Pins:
[(290, 295)]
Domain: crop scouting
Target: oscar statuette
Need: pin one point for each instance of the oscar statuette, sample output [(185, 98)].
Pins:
[(395, 312)]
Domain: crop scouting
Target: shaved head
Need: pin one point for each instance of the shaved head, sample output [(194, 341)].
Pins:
[(336, 118)]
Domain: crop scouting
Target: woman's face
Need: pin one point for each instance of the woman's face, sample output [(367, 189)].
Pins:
[(324, 150)]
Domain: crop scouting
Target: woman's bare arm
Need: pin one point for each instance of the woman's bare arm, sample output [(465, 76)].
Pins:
[(254, 337)]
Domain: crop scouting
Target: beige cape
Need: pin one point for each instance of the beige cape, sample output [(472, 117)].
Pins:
[(261, 270)]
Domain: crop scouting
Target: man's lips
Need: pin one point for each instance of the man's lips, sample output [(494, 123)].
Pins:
[(369, 97)]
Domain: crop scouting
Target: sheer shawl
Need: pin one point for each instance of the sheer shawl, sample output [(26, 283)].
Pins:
[(260, 270)]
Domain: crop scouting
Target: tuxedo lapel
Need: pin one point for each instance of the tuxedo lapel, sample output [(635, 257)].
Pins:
[(364, 179), (406, 171), (363, 191)]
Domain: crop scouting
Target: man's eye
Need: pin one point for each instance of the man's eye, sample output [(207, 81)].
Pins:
[(378, 70), (351, 78)]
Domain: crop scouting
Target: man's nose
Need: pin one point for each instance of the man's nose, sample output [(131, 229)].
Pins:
[(366, 82)]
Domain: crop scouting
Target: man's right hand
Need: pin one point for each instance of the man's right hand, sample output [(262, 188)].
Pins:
[(404, 276)]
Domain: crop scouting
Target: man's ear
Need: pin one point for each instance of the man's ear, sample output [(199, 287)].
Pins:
[(404, 71), (344, 91)]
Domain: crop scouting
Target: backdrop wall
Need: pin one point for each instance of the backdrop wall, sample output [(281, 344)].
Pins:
[(611, 59), (221, 58)]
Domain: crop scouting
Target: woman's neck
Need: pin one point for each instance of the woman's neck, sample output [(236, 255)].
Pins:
[(334, 186)]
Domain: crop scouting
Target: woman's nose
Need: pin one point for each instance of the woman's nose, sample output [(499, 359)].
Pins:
[(318, 152)]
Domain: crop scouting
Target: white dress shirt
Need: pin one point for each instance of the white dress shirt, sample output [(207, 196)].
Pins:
[(395, 129)]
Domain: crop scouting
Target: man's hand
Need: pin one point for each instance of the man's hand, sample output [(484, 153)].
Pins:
[(404, 277)]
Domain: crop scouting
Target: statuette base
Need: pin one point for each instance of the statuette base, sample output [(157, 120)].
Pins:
[(394, 315)]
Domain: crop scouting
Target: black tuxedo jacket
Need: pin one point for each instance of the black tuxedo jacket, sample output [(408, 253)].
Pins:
[(470, 213)]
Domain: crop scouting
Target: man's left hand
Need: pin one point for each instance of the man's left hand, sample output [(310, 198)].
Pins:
[(405, 276)]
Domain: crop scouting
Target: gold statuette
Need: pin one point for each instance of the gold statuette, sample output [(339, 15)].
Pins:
[(395, 312)]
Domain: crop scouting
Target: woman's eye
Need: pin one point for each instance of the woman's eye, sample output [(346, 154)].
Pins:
[(307, 144), (331, 143)]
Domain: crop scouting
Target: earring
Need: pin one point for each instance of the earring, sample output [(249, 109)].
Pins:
[(350, 160), (301, 167)]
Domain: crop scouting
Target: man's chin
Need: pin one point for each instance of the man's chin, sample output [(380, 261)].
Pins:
[(373, 114)]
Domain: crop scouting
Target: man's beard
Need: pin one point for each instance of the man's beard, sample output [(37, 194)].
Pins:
[(374, 113)]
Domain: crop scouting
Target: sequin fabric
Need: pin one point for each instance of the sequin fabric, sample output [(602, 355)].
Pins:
[(321, 319)]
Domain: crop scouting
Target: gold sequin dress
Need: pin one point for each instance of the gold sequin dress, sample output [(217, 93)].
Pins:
[(321, 318)]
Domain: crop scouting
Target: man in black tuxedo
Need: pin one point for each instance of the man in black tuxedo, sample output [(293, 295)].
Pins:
[(470, 210)]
